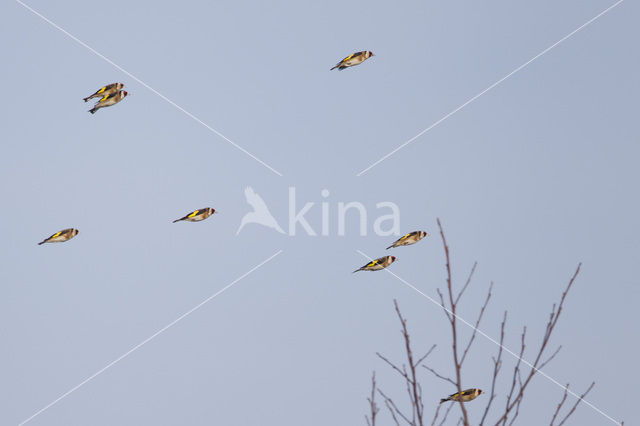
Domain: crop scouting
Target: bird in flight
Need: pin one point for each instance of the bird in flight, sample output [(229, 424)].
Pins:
[(109, 100), (197, 215), (109, 89), (378, 264), (408, 239), (353, 59), (59, 237), (464, 396)]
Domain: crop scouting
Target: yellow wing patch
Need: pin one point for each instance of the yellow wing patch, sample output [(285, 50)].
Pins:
[(406, 236), (192, 214), (103, 98), (348, 57), (102, 90), (57, 234)]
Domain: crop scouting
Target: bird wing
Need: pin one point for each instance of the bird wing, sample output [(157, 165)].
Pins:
[(194, 213), (57, 234), (109, 86), (406, 236), (105, 97), (372, 263), (353, 55)]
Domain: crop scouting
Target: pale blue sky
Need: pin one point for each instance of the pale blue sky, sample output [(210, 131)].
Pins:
[(535, 176)]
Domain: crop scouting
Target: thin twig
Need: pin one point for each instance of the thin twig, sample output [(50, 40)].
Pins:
[(560, 404), (577, 403), (389, 401), (372, 402), (454, 331), (475, 328), (439, 376), (497, 364), (466, 284)]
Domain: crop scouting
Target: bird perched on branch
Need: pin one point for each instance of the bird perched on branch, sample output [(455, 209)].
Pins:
[(109, 100), (197, 215), (353, 59), (59, 237), (109, 89), (464, 396), (378, 264), (408, 239)]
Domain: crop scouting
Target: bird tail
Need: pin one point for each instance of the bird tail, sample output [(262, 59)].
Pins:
[(177, 220), (360, 269), (333, 68), (93, 110), (87, 99), (391, 246), (42, 242), (444, 400)]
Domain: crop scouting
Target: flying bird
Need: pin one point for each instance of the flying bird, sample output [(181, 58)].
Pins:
[(109, 100), (378, 264), (197, 215), (59, 237), (464, 396), (353, 59), (109, 89), (260, 214), (408, 239)]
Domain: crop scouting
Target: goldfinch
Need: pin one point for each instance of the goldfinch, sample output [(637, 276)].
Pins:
[(353, 59), (108, 100), (198, 215), (109, 89), (464, 396), (408, 239), (378, 264), (59, 237)]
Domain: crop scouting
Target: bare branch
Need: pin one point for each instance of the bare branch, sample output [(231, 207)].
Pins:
[(536, 365), (573, 409), (372, 402), (475, 328), (497, 364), (452, 318), (435, 373), (390, 404), (446, 413), (466, 284), (560, 404), (548, 360), (393, 414), (416, 396), (402, 373), (418, 362)]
